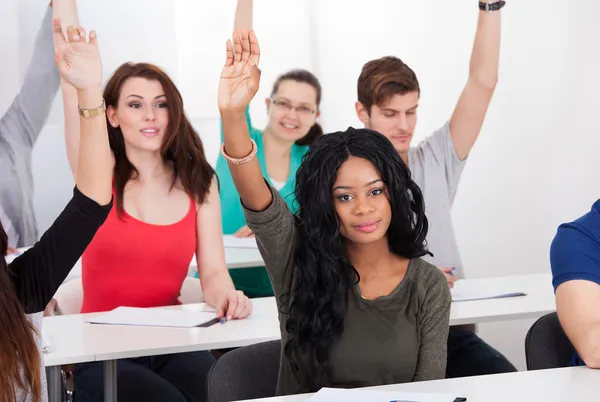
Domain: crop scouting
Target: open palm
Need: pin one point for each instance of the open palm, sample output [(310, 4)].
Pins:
[(240, 76), (78, 60)]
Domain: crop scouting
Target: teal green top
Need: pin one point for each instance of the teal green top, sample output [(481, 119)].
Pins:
[(253, 281)]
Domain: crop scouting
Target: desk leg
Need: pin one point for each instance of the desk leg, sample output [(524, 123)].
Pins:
[(54, 384), (110, 381)]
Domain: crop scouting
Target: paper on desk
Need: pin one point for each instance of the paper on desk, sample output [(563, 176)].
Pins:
[(239, 242), (153, 317), (366, 395), (460, 295)]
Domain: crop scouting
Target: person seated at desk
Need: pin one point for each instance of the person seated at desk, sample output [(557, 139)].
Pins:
[(166, 210), (357, 305), (388, 101), (30, 280), (575, 262), (20, 128), (293, 109)]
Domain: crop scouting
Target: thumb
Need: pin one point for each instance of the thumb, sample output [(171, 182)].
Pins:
[(221, 308), (61, 63)]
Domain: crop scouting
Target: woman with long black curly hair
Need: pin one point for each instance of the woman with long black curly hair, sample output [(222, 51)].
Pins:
[(357, 304)]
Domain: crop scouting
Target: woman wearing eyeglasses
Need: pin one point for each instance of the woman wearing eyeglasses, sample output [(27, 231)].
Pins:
[(293, 109)]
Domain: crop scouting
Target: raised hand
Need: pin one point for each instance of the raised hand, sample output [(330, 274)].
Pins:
[(78, 59), (240, 75)]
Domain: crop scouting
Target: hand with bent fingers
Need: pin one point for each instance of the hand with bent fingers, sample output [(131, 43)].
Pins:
[(234, 305), (244, 231), (240, 76), (450, 276), (77, 59)]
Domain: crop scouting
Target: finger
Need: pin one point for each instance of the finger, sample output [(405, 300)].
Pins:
[(59, 36), (248, 309), (93, 38), (82, 33), (228, 53), (446, 270), (232, 305), (254, 49), (238, 313), (245, 45), (72, 34), (237, 46)]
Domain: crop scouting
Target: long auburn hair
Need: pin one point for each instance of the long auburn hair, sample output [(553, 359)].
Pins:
[(181, 146), (20, 362), (323, 277)]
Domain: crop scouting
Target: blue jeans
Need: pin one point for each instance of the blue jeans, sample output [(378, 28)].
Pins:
[(175, 378), (469, 355)]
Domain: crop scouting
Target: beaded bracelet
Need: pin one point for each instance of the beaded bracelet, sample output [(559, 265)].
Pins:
[(239, 161)]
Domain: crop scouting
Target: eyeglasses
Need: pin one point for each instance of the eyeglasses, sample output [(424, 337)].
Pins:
[(287, 106)]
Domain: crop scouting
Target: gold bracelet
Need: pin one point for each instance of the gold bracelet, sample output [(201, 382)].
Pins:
[(239, 161), (88, 113)]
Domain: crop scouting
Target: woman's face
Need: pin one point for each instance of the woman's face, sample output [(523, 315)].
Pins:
[(142, 114), (292, 110), (361, 201)]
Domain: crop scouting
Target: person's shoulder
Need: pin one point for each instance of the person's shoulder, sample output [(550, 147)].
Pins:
[(427, 275), (583, 229)]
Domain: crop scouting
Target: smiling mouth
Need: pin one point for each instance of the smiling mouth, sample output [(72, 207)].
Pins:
[(367, 227), (290, 126), (149, 132)]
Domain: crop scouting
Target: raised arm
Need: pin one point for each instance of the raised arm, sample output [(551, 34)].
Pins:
[(23, 121), (238, 85), (472, 106), (243, 15), (39, 272), (66, 10)]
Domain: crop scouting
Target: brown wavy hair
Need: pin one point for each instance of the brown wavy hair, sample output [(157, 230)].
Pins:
[(305, 77), (20, 362), (181, 146), (383, 78)]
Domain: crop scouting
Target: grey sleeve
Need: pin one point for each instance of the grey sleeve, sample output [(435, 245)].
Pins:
[(275, 232), (438, 149), (434, 318), (25, 118)]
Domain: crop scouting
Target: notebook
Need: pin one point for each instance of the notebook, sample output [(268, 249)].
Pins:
[(155, 317)]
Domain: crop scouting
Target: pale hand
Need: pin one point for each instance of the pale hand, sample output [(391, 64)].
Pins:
[(234, 305), (240, 76), (450, 276), (78, 59), (244, 231)]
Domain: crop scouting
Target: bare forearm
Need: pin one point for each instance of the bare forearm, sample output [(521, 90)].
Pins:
[(243, 15), (485, 57), (66, 10), (589, 347), (94, 169), (248, 176)]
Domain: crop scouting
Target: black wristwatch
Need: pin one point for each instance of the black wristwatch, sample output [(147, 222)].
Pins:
[(483, 6)]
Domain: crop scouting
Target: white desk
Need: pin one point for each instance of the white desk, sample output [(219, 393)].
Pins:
[(73, 341), (573, 384)]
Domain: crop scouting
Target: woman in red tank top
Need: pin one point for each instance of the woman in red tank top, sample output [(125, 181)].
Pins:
[(166, 210)]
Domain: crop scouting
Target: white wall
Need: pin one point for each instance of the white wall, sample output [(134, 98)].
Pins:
[(534, 166)]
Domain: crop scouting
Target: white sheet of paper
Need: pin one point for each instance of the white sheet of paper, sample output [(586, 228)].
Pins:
[(366, 395), (154, 317), (239, 242)]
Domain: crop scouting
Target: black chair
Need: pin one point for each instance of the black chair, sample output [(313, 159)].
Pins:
[(547, 345), (250, 372)]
